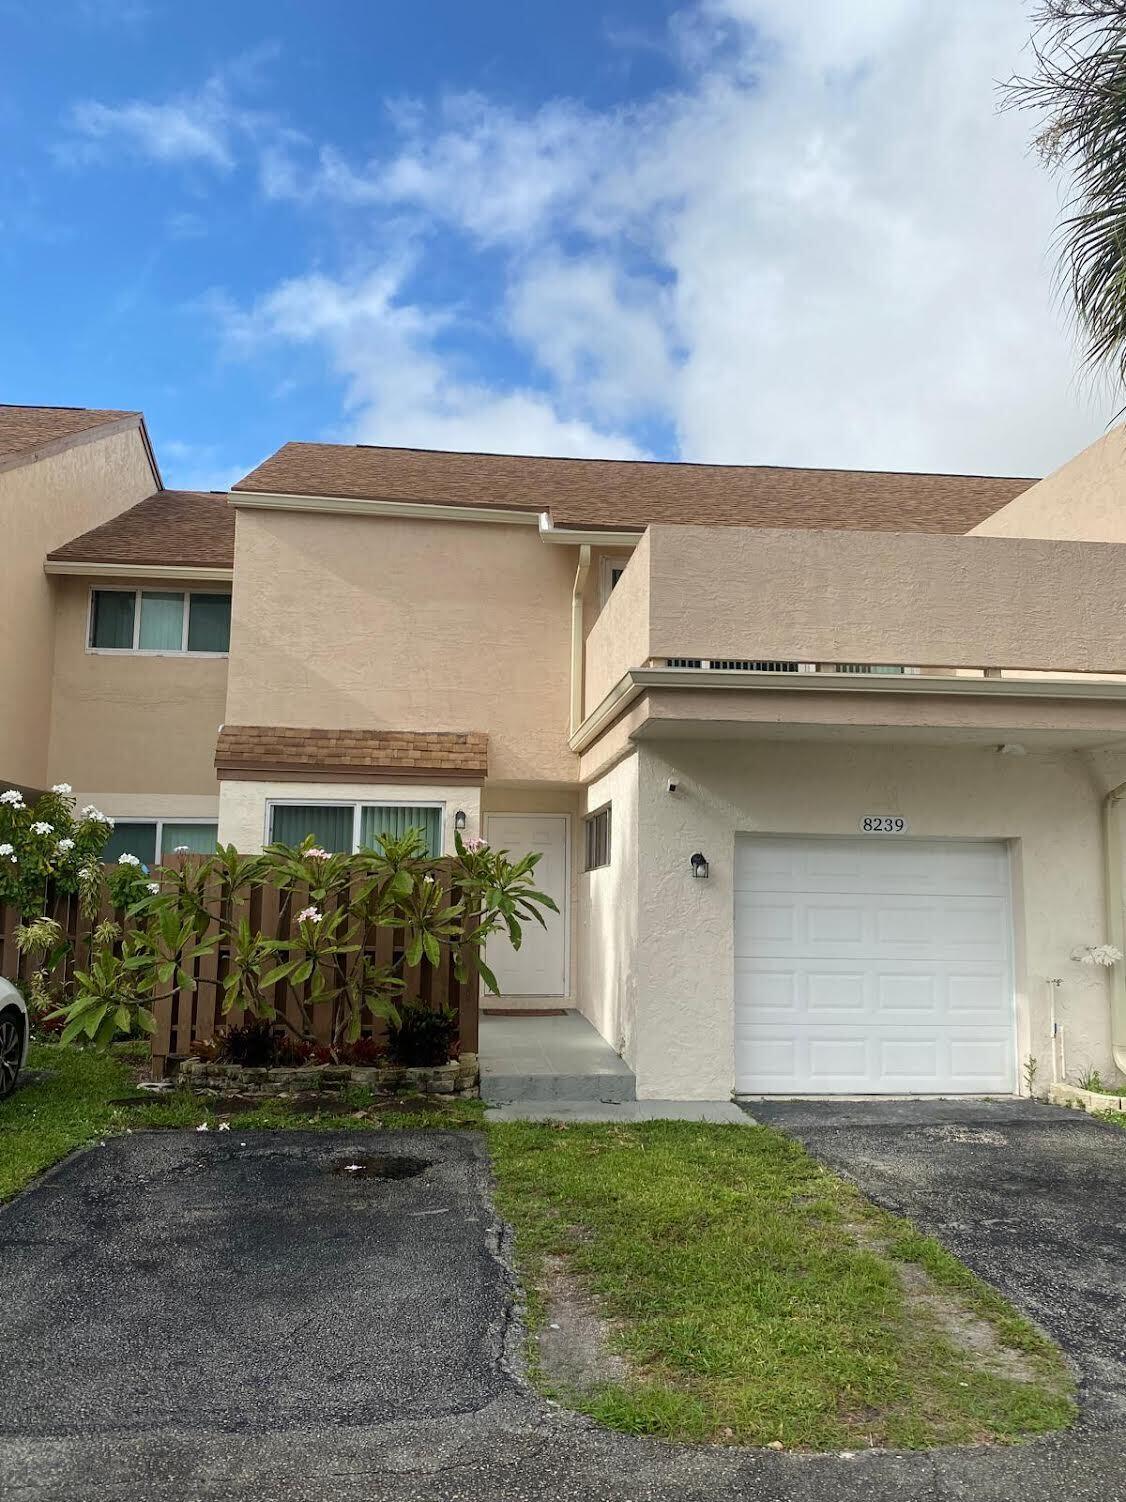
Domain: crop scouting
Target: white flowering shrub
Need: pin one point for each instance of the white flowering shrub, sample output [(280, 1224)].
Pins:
[(321, 958), (46, 844)]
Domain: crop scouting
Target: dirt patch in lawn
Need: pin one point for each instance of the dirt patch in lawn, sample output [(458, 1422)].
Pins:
[(574, 1340), (943, 1309)]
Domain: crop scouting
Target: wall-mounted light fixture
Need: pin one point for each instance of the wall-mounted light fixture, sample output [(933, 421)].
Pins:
[(700, 866), (460, 821)]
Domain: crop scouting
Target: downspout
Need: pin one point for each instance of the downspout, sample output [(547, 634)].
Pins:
[(1115, 921), (577, 637)]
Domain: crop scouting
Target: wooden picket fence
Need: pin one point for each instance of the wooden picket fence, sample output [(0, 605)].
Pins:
[(185, 1016)]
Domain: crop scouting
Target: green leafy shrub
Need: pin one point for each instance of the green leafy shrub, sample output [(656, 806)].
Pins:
[(424, 1036), (49, 843)]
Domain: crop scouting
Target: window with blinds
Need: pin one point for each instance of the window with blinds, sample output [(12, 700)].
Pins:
[(596, 830), (340, 827)]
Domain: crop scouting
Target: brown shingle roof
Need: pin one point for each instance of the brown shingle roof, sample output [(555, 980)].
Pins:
[(24, 428), (289, 753), (188, 527), (629, 494)]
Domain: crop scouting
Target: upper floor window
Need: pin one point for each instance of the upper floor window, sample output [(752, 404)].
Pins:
[(596, 842), (159, 620)]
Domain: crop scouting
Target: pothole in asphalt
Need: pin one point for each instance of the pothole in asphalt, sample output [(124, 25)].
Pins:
[(381, 1166), (975, 1136)]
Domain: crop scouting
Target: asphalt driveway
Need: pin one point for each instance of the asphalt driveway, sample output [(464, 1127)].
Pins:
[(1031, 1197), (221, 1316)]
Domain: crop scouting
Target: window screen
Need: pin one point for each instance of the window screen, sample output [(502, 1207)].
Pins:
[(162, 622), (111, 618), (395, 819), (131, 839), (330, 824), (200, 839), (209, 623), (597, 830)]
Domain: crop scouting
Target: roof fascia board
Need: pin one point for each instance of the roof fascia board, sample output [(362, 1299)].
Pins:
[(638, 680), (55, 446), (137, 570), (591, 537), (354, 506)]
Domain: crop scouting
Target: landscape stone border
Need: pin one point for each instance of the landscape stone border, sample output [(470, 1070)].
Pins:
[(458, 1077), (1087, 1100)]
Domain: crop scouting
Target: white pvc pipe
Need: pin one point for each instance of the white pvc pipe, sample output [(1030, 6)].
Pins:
[(1115, 920)]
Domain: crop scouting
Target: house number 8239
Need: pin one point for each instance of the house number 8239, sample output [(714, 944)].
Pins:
[(883, 824)]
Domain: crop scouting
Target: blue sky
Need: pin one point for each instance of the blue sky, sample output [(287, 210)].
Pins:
[(732, 230)]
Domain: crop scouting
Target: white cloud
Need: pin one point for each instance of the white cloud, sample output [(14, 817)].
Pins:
[(830, 222), (402, 387)]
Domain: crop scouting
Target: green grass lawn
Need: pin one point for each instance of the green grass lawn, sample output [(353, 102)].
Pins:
[(754, 1295)]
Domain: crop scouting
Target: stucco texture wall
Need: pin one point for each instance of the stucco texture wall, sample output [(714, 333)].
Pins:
[(610, 992), (43, 505), (346, 621), (126, 723), (1083, 500), (886, 597), (1048, 807)]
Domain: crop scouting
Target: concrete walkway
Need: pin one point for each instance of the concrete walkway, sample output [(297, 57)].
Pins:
[(529, 1058), (561, 1069)]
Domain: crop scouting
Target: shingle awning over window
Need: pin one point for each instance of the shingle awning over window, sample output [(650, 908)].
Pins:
[(288, 753)]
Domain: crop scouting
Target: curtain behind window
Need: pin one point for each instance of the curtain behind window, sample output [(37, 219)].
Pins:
[(329, 824), (200, 839), (395, 819), (131, 839), (112, 621), (209, 623), (162, 621)]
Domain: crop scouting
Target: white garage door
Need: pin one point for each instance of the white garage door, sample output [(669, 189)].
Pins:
[(872, 967)]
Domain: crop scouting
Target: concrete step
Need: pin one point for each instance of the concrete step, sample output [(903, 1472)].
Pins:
[(718, 1112), (499, 1086)]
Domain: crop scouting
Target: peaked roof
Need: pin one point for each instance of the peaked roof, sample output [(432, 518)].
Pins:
[(629, 494), (28, 428), (190, 527)]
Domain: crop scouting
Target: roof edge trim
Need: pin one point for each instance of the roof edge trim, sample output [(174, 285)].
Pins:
[(138, 570), (262, 500)]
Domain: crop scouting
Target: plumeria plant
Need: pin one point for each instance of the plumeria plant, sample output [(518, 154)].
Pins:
[(50, 843), (320, 956)]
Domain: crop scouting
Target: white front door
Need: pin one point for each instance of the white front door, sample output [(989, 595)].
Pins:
[(539, 966), (872, 967)]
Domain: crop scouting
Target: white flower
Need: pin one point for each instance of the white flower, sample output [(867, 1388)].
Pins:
[(65, 845), (62, 787), (96, 815), (474, 845), (154, 887), (182, 850), (12, 796), (224, 1126), (315, 853), (309, 915), (42, 827), (6, 849), (203, 1127), (127, 860)]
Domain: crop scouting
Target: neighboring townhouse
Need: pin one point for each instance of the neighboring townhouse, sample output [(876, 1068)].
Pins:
[(825, 779), (62, 469)]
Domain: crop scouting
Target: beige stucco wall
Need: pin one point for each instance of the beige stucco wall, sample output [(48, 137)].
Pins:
[(242, 805), (343, 621), (913, 598), (130, 723), (1048, 807), (1084, 500), (43, 505), (611, 991), (619, 637)]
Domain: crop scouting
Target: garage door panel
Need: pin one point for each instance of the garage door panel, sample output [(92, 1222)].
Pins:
[(898, 981)]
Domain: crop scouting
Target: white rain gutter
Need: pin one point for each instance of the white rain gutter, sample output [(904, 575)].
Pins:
[(1115, 920), (589, 536), (577, 595)]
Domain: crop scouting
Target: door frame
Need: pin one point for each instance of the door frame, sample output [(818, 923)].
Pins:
[(565, 910), (1014, 957)]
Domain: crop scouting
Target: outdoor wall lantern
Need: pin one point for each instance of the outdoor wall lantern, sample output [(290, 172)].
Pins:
[(460, 821), (700, 866)]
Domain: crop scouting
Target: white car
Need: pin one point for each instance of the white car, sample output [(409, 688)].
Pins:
[(13, 1036)]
